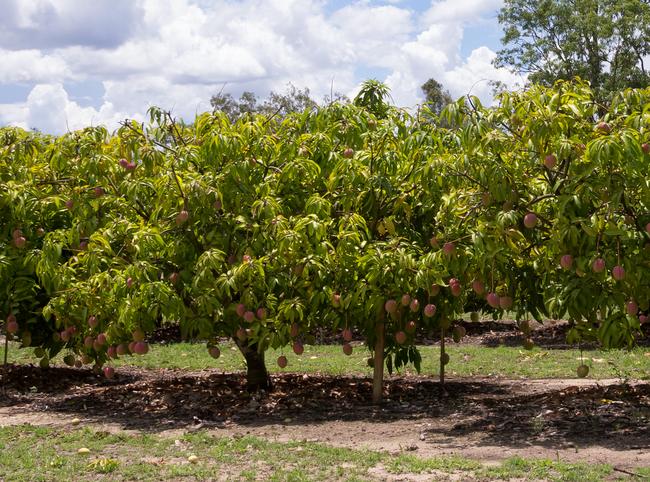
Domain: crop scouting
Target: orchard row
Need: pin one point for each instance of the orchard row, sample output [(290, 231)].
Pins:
[(351, 216)]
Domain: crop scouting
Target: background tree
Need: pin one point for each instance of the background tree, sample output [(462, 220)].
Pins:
[(602, 41), (293, 100), (277, 104), (436, 98), (234, 108)]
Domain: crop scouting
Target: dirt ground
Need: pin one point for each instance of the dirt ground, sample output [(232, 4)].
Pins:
[(485, 419), (481, 418)]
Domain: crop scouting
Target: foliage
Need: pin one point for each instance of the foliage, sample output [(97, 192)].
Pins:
[(263, 231), (592, 201), (373, 96), (602, 41)]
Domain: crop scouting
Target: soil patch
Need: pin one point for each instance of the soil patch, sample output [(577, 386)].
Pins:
[(481, 418)]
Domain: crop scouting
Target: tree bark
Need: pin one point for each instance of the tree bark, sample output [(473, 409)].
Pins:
[(257, 376), (442, 357), (442, 362), (6, 345), (6, 348), (378, 373)]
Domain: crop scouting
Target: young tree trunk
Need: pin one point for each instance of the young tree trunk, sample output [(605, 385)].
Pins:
[(6, 347), (442, 361), (5, 368), (378, 373), (257, 376)]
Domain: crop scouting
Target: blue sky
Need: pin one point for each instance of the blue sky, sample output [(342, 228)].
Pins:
[(72, 63)]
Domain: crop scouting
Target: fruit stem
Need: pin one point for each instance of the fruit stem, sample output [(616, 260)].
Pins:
[(582, 360), (378, 372)]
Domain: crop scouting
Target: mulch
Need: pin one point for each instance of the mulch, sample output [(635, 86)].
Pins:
[(501, 411)]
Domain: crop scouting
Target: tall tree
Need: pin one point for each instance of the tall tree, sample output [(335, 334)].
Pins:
[(602, 41), (293, 100), (436, 98), (277, 104), (232, 107)]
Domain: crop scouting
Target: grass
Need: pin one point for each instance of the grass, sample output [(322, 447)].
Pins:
[(643, 473), (29, 453), (545, 469), (466, 360)]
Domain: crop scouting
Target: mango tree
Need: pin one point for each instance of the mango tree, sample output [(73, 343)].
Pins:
[(564, 206), (351, 216)]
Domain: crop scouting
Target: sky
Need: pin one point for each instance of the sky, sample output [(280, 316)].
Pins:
[(68, 64)]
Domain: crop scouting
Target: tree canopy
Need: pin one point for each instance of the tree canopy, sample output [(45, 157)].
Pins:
[(602, 41), (277, 104), (436, 97), (353, 216)]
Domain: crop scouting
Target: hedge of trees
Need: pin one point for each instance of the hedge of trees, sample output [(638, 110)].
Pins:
[(349, 216)]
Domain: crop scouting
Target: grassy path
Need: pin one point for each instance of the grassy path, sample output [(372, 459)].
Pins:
[(466, 360), (29, 453)]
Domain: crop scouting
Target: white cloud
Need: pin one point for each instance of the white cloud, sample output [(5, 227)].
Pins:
[(473, 76), (49, 109), (31, 66), (14, 114), (177, 53), (436, 52), (443, 11), (370, 34), (57, 23)]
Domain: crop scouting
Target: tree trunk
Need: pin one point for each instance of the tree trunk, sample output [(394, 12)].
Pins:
[(257, 377), (6, 346), (442, 362), (378, 373)]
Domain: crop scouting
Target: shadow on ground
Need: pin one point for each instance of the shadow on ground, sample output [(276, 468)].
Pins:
[(497, 412)]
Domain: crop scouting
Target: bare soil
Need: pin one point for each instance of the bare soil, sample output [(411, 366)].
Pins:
[(485, 419)]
